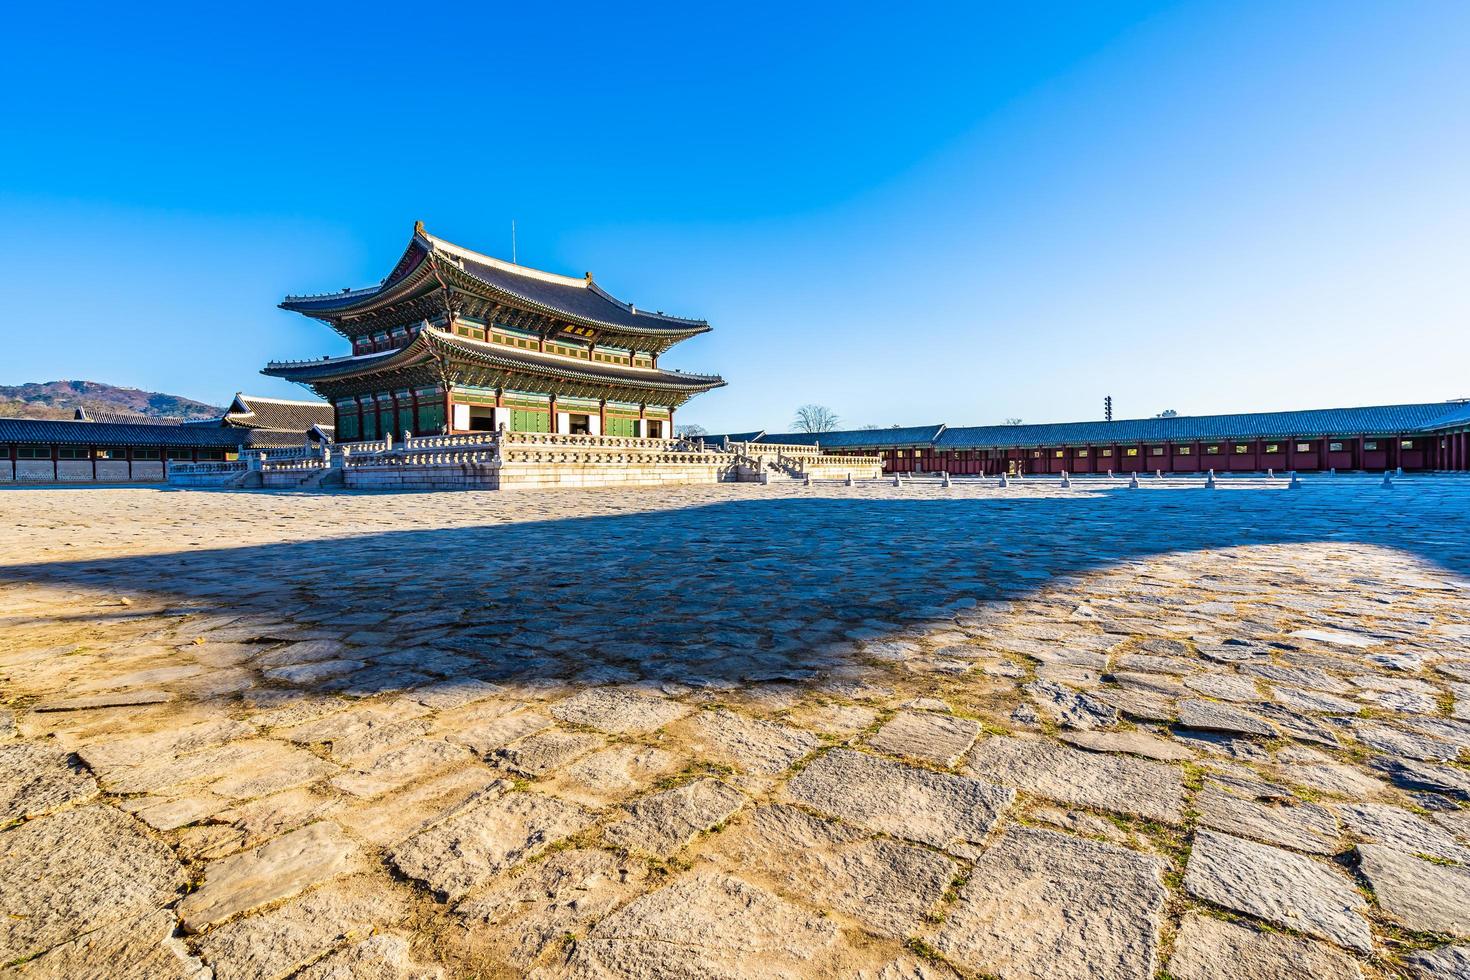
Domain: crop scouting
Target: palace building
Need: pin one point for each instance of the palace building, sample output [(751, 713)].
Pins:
[(455, 341), (103, 447), (1423, 436)]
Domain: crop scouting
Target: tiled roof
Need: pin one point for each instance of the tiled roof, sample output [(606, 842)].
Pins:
[(1456, 417), (578, 300), (913, 435), (73, 433), (254, 412), (83, 415), (1378, 420)]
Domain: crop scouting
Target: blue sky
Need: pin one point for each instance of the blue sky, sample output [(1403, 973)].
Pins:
[(910, 213)]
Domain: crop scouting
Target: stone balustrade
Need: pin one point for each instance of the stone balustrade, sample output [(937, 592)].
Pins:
[(207, 469), (276, 454), (830, 460)]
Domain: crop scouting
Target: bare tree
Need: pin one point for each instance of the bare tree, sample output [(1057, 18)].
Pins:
[(1167, 413), (1013, 421), (815, 418), (691, 431)]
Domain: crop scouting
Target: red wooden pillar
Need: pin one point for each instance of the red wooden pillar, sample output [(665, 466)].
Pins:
[(1291, 454)]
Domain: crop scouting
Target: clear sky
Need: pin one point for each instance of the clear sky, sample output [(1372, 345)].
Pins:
[(911, 213)]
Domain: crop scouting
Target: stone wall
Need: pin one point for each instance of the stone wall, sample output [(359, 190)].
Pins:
[(80, 471)]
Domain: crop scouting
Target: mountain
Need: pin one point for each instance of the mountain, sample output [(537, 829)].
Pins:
[(61, 399)]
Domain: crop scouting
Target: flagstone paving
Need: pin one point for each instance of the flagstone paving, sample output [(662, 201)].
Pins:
[(738, 731)]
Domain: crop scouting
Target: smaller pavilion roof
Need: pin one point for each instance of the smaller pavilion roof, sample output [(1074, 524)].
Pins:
[(281, 414), (732, 436)]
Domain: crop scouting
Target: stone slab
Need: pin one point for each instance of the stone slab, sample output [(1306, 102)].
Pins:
[(664, 823), (471, 848), (1279, 887), (704, 925), (619, 711), (35, 779), (279, 941), (886, 886), (893, 798), (1419, 894), (940, 739), (1113, 782), (279, 869), (1207, 948), (1043, 904), (78, 870)]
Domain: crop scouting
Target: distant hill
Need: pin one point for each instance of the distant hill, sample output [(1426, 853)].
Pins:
[(61, 399)]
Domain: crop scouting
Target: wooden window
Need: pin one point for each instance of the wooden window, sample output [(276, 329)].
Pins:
[(1156, 451), (32, 452), (1304, 447), (1131, 451), (1406, 443), (1105, 452), (1212, 450), (1334, 447), (1370, 445), (1183, 450), (181, 454), (212, 454), (71, 452), (146, 454), (1242, 448), (1060, 453), (1080, 453), (1273, 447)]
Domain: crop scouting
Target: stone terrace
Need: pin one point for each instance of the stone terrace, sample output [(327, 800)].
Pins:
[(738, 731)]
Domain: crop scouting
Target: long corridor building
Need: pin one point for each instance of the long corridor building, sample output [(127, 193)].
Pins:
[(1427, 436)]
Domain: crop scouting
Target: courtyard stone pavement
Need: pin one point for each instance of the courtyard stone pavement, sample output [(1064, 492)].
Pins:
[(738, 731)]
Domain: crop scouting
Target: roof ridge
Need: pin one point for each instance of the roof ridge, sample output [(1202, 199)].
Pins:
[(282, 401)]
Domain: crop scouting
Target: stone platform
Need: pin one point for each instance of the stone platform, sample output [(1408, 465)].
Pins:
[(738, 731)]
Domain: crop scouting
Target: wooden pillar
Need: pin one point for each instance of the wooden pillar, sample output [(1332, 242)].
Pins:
[(602, 415), (552, 425), (643, 420), (92, 452), (1291, 454)]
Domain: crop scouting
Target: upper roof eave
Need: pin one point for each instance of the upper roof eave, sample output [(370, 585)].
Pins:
[(430, 340)]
